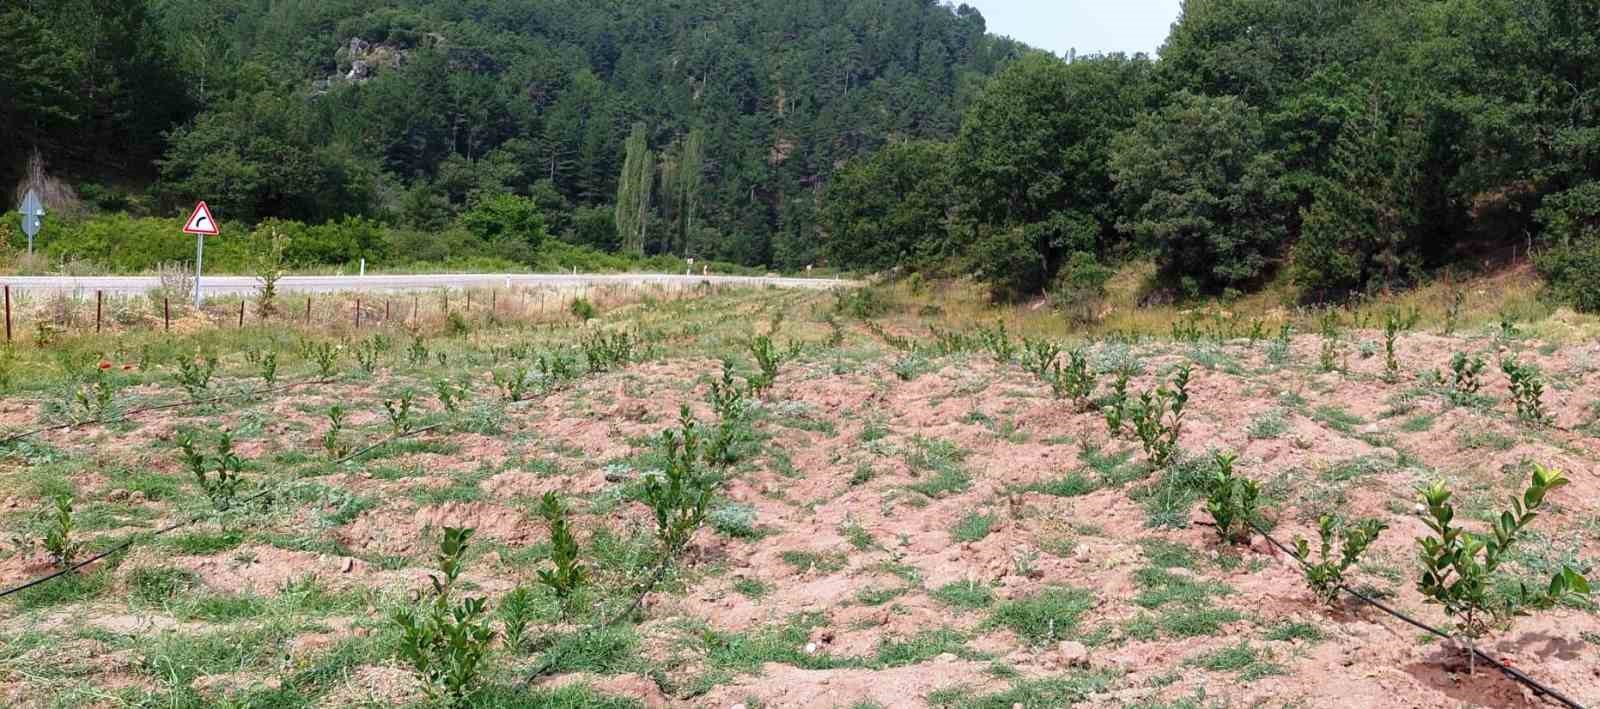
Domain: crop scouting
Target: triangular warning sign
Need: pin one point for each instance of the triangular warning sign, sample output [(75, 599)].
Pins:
[(201, 222)]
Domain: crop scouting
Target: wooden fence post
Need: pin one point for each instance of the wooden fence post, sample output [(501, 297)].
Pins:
[(166, 312), (99, 305), (308, 310), (8, 314), (241, 313), (358, 313)]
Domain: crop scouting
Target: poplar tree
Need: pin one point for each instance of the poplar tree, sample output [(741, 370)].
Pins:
[(633, 192)]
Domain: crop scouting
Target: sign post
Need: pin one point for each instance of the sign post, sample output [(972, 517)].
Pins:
[(32, 216), (202, 225)]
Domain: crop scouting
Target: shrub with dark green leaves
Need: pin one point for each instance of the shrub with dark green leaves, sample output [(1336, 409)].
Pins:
[(58, 533), (399, 412), (1467, 376), (679, 493), (1527, 390), (1459, 567), (1326, 576), (194, 374), (1231, 500), (1158, 418), (220, 476), (569, 575), (445, 641)]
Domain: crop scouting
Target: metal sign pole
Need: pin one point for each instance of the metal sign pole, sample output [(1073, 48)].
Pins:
[(199, 253)]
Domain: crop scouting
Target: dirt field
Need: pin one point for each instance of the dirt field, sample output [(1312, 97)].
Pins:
[(901, 529)]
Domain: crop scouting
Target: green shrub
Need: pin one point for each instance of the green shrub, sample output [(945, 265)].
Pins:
[(1325, 577), (1158, 418), (58, 539), (679, 494), (443, 641), (1459, 567), (1231, 500), (1527, 390), (569, 574)]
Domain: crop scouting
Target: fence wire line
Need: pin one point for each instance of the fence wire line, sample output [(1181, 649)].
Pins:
[(1512, 672)]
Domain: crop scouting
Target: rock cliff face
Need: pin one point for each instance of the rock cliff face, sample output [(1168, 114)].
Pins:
[(360, 60)]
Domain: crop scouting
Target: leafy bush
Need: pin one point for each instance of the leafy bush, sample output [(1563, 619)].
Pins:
[(399, 412), (58, 539), (219, 477), (194, 374), (678, 494), (1158, 418), (445, 642), (1527, 390), (1325, 577), (569, 575), (1203, 191), (1080, 288), (1572, 272), (1468, 376), (1231, 500), (330, 437), (768, 359), (1459, 567)]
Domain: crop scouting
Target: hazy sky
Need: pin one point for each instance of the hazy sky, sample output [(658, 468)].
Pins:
[(1089, 25)]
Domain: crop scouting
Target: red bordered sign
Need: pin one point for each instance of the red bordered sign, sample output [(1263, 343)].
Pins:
[(201, 222)]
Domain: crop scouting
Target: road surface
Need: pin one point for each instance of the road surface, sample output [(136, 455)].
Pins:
[(212, 286)]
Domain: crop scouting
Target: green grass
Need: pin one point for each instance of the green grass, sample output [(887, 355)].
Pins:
[(941, 463), (156, 585), (1421, 423), (1292, 630), (1072, 484), (1249, 662), (605, 651), (962, 594), (1269, 425), (1049, 615), (879, 596), (1337, 418), (203, 543), (1042, 693), (754, 589), (973, 527)]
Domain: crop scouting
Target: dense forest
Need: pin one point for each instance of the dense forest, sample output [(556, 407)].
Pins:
[(1348, 146), (1344, 146), (410, 113)]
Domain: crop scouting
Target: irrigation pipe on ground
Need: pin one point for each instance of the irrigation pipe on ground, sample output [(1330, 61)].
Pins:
[(1512, 672)]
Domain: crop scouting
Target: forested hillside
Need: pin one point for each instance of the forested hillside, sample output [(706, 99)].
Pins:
[(1342, 147), (1347, 146), (412, 111)]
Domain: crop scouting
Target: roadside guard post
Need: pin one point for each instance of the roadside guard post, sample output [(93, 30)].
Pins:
[(202, 225)]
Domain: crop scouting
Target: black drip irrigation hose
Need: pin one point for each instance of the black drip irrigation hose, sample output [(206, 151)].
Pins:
[(126, 544), (157, 407), (1509, 671)]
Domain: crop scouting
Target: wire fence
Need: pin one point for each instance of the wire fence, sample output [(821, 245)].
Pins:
[(43, 319)]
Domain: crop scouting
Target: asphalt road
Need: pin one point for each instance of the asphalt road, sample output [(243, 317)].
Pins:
[(246, 285)]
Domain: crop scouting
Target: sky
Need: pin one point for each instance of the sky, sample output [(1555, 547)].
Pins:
[(1089, 25)]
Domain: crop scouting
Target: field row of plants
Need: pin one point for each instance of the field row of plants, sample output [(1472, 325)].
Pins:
[(649, 450)]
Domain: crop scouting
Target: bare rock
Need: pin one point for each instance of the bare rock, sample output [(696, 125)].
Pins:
[(1072, 654)]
